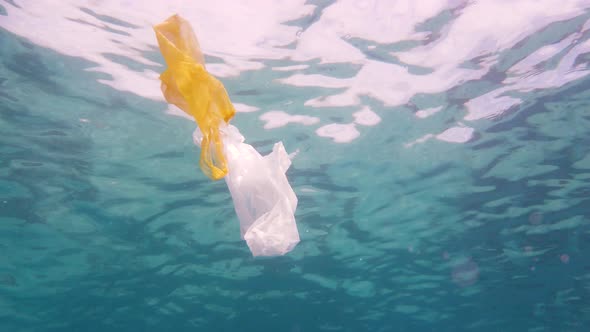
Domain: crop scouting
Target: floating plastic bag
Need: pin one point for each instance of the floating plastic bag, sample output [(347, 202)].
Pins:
[(189, 86), (263, 199)]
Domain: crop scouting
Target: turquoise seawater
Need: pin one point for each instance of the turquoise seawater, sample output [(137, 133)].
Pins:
[(459, 202)]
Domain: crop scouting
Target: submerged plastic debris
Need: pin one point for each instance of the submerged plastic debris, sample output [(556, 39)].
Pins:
[(189, 86), (263, 199)]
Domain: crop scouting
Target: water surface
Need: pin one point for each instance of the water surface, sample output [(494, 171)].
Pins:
[(443, 171)]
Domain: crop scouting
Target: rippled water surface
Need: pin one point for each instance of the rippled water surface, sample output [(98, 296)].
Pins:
[(443, 167)]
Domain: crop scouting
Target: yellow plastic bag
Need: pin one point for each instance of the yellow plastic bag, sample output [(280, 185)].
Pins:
[(187, 84)]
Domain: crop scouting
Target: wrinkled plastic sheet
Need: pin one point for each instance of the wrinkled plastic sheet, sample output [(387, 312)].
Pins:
[(263, 198)]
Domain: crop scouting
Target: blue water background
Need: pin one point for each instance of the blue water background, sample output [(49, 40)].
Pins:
[(107, 224)]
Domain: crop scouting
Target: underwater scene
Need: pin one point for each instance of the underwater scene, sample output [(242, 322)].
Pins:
[(295, 165)]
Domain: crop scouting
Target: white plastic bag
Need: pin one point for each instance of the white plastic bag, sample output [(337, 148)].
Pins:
[(263, 199)]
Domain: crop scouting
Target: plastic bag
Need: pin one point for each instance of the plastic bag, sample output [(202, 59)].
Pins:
[(187, 84), (263, 199)]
